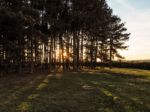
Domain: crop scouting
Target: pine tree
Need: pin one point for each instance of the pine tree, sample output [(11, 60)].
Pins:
[(67, 34)]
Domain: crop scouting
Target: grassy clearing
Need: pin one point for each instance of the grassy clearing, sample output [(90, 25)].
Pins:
[(127, 71), (77, 92)]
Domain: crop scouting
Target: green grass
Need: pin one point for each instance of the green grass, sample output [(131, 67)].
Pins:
[(127, 71), (115, 90)]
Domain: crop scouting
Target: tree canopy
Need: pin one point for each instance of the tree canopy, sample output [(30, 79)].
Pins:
[(58, 34)]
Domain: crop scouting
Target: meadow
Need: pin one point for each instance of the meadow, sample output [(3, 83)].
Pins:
[(100, 90)]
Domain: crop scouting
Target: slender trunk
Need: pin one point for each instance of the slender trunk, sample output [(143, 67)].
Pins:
[(102, 52), (110, 53), (1, 57), (67, 53), (81, 60), (78, 52), (75, 51), (60, 58), (62, 52), (50, 55), (32, 63), (54, 55), (91, 53), (21, 56), (63, 58), (96, 50)]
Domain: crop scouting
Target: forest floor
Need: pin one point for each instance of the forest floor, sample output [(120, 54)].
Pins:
[(101, 90)]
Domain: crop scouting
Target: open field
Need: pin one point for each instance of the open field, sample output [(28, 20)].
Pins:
[(116, 90)]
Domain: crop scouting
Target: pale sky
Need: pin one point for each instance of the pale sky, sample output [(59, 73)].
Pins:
[(136, 14)]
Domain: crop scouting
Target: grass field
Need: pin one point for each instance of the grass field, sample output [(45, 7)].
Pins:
[(115, 90)]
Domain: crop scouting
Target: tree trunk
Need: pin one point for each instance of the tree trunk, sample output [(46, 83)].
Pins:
[(75, 66), (50, 55), (31, 61), (67, 53), (110, 54), (81, 59), (78, 52)]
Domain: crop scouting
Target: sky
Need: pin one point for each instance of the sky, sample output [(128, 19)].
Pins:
[(136, 15)]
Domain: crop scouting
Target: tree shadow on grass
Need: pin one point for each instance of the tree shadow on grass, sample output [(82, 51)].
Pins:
[(78, 92), (131, 94), (16, 89)]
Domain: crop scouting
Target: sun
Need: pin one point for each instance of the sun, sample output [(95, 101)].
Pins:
[(65, 54)]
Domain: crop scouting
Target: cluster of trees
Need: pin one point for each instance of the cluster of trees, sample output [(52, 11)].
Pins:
[(52, 34)]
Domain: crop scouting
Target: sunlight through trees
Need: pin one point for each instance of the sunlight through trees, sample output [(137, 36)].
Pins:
[(53, 34)]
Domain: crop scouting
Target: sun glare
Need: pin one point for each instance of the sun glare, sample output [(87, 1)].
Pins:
[(65, 54)]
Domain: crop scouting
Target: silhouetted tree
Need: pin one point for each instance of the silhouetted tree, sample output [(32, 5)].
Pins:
[(58, 34)]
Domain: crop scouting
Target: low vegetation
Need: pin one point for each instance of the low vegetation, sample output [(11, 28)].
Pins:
[(115, 90)]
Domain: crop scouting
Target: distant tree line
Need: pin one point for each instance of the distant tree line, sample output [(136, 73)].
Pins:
[(133, 65), (53, 34)]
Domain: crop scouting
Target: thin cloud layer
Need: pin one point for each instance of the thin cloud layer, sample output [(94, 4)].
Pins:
[(138, 24)]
